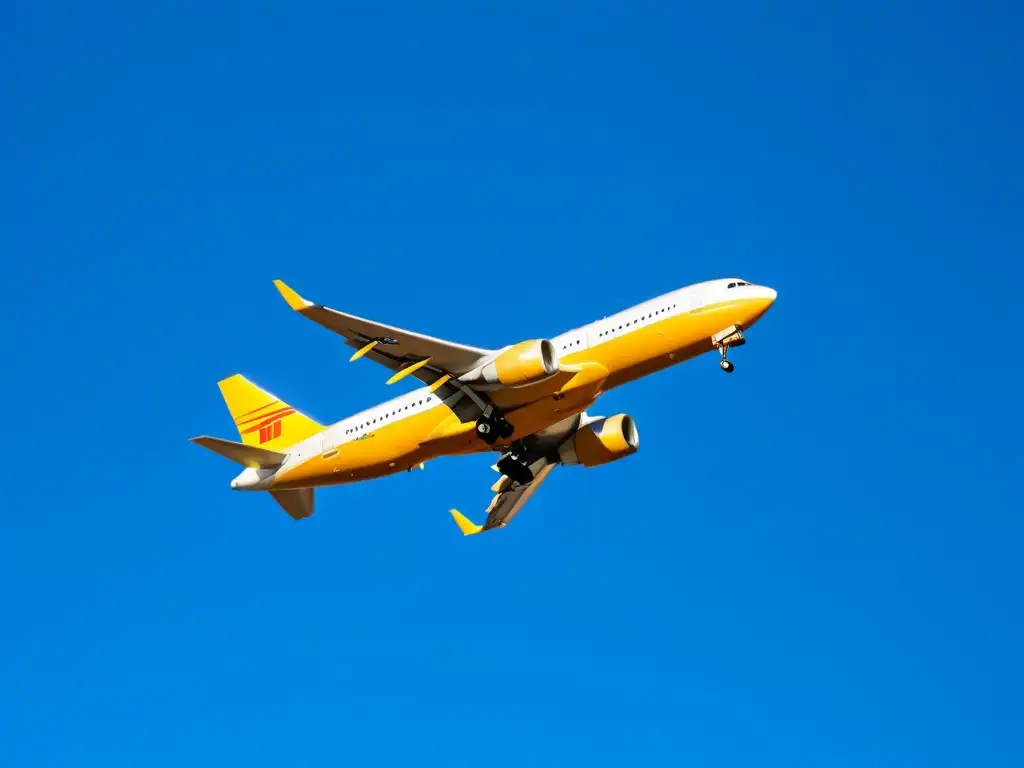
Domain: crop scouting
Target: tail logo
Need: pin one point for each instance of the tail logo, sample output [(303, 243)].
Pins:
[(270, 432), (268, 424)]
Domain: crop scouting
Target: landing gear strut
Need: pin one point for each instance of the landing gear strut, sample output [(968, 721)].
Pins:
[(514, 464), (730, 337), (493, 426)]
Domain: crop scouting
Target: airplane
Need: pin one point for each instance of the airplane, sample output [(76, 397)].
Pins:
[(527, 401)]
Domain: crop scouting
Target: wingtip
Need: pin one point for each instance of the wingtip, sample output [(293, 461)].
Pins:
[(467, 526), (295, 301)]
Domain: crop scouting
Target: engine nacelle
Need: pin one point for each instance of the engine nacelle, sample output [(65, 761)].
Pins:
[(524, 363), (601, 441)]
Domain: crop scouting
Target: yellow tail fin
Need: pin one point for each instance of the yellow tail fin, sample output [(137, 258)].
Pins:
[(262, 419)]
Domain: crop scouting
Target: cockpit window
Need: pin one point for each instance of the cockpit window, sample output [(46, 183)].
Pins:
[(731, 285)]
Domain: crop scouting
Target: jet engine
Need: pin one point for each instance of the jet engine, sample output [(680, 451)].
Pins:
[(524, 363), (601, 441)]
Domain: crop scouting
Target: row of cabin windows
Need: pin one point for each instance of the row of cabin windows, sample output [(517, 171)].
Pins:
[(395, 412), (733, 285), (571, 344), (648, 316)]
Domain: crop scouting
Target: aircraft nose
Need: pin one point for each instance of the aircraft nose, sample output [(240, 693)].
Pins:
[(762, 297)]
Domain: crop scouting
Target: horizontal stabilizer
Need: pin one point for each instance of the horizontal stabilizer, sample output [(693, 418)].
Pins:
[(246, 455), (467, 526), (298, 504)]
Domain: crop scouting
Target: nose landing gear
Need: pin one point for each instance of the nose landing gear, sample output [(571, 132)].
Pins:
[(730, 337)]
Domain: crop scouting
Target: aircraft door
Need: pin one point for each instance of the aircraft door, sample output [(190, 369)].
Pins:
[(327, 447), (691, 301)]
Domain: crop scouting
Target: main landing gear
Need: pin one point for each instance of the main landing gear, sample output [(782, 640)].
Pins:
[(493, 426), (730, 337), (514, 464)]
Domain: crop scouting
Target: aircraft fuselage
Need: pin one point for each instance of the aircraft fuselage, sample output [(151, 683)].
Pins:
[(416, 427)]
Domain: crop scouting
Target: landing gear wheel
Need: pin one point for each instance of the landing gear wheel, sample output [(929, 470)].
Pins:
[(730, 337), (492, 426), (486, 432), (513, 467)]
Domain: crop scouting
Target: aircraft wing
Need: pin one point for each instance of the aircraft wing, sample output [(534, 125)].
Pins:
[(510, 498), (388, 345)]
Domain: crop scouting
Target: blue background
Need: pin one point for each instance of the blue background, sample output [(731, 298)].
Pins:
[(812, 562)]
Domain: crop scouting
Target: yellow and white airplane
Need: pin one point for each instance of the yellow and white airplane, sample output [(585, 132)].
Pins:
[(527, 401)]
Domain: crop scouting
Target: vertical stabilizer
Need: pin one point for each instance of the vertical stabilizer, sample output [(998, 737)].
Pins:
[(262, 419)]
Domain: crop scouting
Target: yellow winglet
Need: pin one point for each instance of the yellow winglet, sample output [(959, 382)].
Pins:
[(467, 526), (295, 301)]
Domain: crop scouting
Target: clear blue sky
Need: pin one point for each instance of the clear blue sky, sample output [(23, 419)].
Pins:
[(813, 562)]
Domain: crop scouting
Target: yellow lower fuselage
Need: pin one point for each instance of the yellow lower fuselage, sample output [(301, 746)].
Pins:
[(634, 343)]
